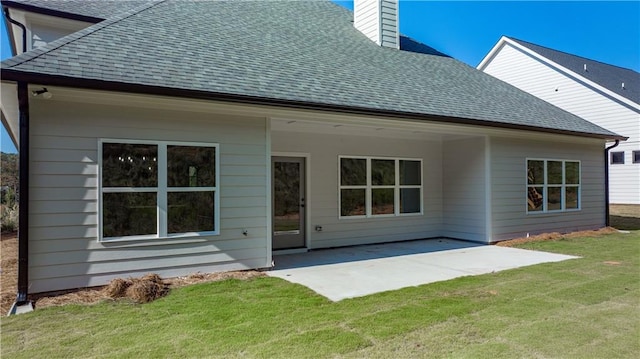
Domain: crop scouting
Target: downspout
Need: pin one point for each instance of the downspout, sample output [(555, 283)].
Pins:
[(21, 26), (22, 303), (606, 182)]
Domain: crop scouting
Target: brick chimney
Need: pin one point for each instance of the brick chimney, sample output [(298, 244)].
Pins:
[(378, 20)]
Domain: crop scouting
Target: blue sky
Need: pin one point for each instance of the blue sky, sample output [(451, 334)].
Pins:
[(606, 31)]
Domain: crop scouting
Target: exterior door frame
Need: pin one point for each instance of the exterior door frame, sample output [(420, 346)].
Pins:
[(307, 200)]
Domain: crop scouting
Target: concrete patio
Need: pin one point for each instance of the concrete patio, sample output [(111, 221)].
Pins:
[(349, 272)]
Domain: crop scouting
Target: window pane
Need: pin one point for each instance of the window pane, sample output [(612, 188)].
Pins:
[(128, 214), (571, 198), (129, 165), (382, 201), (617, 158), (191, 166), (554, 200), (410, 200), (353, 172), (352, 202), (535, 172), (383, 172), (554, 172), (636, 156), (572, 172), (286, 196), (410, 173), (534, 199), (190, 212)]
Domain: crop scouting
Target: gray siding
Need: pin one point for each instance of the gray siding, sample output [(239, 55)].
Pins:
[(64, 250), (464, 192), (323, 203), (508, 166)]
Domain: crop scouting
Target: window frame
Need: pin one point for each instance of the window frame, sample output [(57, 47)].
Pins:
[(162, 190), (633, 156), (369, 187), (563, 187), (611, 161)]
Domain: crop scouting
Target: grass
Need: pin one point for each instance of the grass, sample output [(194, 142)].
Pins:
[(581, 308)]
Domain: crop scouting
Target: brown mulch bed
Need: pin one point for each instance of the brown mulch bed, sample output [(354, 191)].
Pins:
[(555, 236), (9, 270)]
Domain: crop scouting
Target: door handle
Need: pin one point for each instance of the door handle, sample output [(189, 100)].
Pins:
[(302, 202)]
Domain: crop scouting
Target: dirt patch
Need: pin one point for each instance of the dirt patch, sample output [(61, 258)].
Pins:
[(554, 236)]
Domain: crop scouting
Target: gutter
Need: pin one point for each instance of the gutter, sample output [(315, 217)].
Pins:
[(607, 220), (22, 303), (50, 12), (21, 26), (58, 80)]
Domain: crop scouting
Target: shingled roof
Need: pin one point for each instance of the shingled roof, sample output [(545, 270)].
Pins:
[(299, 54), (608, 76)]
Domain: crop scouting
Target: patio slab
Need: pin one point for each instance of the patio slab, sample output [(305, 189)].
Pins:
[(349, 272)]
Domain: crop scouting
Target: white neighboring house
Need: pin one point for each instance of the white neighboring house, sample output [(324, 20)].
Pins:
[(606, 95)]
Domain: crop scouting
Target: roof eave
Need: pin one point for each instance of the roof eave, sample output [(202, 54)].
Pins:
[(94, 84), (50, 12)]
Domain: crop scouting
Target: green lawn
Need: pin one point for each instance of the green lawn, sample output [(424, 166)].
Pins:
[(582, 308)]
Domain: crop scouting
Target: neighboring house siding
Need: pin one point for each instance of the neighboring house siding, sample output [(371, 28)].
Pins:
[(531, 75), (464, 212), (508, 168), (366, 19), (323, 204), (63, 244)]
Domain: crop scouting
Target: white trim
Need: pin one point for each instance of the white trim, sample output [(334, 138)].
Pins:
[(563, 186), (488, 194), (162, 191), (369, 187), (269, 196)]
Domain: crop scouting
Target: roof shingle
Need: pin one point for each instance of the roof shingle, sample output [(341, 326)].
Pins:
[(302, 51)]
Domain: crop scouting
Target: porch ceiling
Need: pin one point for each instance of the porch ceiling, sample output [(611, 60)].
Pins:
[(374, 128)]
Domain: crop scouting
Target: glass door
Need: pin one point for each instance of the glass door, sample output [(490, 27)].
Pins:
[(288, 202)]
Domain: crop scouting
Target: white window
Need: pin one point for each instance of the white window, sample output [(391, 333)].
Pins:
[(617, 158), (371, 187), (158, 189), (552, 185)]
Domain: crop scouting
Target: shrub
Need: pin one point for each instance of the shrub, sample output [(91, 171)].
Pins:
[(9, 218)]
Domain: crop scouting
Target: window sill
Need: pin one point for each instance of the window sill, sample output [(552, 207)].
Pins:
[(376, 216), (151, 238), (554, 212)]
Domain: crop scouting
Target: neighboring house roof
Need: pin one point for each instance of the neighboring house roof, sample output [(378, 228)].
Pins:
[(298, 54), (608, 76)]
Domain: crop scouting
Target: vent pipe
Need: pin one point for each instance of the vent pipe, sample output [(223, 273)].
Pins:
[(378, 20)]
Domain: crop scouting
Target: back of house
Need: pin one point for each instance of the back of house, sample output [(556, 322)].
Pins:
[(176, 137)]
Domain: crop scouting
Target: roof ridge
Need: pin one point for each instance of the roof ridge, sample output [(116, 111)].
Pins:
[(37, 52), (567, 53)]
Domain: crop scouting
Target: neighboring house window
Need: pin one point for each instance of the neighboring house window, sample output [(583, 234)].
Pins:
[(636, 156), (552, 185), (617, 158), (158, 189), (379, 186)]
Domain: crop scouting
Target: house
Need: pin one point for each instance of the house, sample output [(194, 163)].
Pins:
[(175, 137), (606, 95)]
